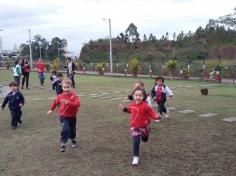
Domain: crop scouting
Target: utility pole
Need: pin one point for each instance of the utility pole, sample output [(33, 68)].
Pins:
[(111, 64), (1, 50), (31, 61)]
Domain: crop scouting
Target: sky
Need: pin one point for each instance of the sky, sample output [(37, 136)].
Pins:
[(78, 21)]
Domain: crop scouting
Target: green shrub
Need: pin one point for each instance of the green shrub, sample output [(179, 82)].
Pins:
[(133, 65), (100, 67), (54, 65)]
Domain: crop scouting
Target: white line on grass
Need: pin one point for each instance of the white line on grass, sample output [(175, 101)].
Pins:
[(207, 115), (187, 111), (230, 119)]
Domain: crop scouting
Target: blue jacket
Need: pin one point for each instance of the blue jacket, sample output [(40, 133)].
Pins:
[(13, 101), (57, 85)]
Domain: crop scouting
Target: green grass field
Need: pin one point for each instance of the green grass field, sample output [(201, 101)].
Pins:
[(186, 144)]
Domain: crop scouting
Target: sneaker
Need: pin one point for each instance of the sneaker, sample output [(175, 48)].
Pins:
[(62, 148), (167, 114), (14, 127), (135, 161), (73, 141)]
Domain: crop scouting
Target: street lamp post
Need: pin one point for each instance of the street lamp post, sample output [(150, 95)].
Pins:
[(31, 61), (1, 50), (111, 64), (40, 47)]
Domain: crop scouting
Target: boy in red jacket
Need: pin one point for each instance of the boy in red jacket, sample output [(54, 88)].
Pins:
[(139, 121), (68, 104)]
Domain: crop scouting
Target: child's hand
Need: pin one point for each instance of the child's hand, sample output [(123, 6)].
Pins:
[(121, 106), (20, 104), (157, 121), (49, 112), (154, 98), (171, 98)]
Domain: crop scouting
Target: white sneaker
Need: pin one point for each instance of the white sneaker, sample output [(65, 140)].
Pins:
[(167, 113), (62, 147), (73, 141), (135, 161)]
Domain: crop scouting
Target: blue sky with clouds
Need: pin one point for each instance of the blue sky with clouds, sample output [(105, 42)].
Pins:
[(78, 21)]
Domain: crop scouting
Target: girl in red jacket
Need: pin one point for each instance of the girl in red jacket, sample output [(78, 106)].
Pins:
[(68, 104), (139, 121)]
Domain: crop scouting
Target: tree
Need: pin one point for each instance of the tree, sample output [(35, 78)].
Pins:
[(56, 47), (123, 37), (174, 36), (152, 38), (132, 33), (227, 20), (145, 38)]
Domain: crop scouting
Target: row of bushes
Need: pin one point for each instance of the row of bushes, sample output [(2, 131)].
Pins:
[(171, 67)]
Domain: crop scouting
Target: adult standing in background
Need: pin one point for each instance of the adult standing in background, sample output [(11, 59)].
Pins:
[(71, 67), (17, 72), (25, 69), (40, 67)]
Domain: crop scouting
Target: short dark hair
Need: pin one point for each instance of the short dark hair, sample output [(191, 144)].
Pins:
[(159, 77), (13, 84), (69, 58), (59, 75), (54, 72)]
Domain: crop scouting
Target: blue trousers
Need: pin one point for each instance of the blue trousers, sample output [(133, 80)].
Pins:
[(15, 117), (68, 129), (41, 78), (161, 107)]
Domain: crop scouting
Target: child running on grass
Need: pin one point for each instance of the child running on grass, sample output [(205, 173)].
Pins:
[(68, 103), (139, 121), (140, 84), (53, 78), (57, 85), (15, 101), (159, 93)]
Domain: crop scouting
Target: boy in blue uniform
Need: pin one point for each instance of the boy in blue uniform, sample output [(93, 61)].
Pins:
[(15, 101), (57, 85)]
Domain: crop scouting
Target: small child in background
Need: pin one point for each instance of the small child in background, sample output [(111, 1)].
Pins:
[(53, 78), (147, 98), (57, 85), (15, 101), (68, 103), (139, 120), (159, 93)]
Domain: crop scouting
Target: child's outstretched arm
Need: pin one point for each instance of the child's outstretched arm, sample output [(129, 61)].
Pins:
[(5, 102), (169, 92), (53, 105), (152, 114), (123, 108)]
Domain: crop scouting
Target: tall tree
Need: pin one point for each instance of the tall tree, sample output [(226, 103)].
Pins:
[(132, 33)]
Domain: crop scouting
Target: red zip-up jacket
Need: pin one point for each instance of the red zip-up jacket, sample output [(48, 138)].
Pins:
[(40, 67), (140, 114), (69, 109)]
